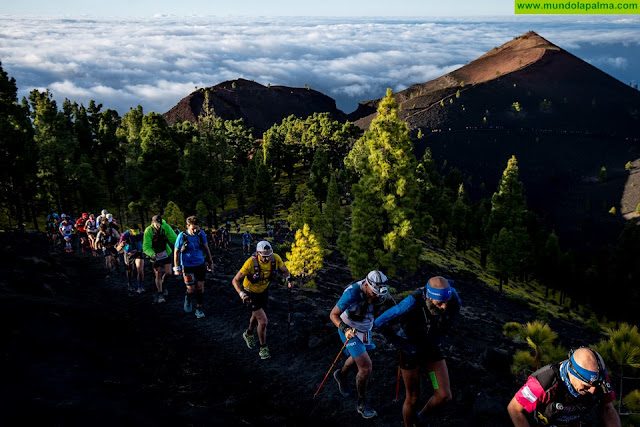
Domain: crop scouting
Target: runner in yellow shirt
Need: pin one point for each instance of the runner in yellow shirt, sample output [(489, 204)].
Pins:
[(252, 283)]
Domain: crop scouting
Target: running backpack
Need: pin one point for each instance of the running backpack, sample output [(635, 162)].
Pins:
[(159, 241), (185, 242), (256, 268)]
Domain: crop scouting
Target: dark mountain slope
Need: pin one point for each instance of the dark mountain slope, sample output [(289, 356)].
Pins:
[(260, 106), (526, 83), (562, 118)]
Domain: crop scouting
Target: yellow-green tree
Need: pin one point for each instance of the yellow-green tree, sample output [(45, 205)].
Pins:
[(173, 215), (306, 256), (384, 219)]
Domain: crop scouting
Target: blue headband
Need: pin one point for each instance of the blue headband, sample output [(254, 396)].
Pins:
[(439, 294), (582, 373)]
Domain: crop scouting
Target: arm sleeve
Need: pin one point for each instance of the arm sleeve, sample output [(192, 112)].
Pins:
[(395, 311)]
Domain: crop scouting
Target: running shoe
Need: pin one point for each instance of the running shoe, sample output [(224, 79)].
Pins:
[(199, 313), (249, 339), (188, 306), (264, 353), (343, 386), (364, 408), (161, 299)]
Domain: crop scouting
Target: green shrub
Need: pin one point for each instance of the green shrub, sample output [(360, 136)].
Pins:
[(512, 330), (311, 284), (632, 401), (522, 363)]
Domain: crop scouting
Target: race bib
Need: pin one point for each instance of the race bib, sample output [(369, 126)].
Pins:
[(161, 255)]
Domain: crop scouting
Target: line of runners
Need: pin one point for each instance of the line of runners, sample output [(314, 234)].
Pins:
[(557, 394)]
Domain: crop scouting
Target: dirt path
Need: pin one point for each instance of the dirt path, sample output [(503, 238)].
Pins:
[(79, 350)]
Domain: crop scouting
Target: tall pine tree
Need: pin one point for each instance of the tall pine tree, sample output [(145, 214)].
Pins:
[(384, 217)]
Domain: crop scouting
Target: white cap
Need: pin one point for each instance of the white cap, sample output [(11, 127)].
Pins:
[(264, 248), (104, 212), (109, 217)]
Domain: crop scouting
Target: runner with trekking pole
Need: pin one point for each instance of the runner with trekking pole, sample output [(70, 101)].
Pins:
[(353, 315)]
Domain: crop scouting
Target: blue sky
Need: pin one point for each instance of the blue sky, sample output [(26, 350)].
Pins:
[(158, 59), (142, 8)]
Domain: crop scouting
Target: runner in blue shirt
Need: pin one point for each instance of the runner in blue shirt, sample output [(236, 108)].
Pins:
[(353, 315), (189, 260), (247, 238)]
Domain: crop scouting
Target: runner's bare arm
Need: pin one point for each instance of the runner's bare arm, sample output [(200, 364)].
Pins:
[(517, 414)]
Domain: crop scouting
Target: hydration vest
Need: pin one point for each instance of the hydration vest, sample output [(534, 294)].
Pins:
[(159, 240), (256, 267)]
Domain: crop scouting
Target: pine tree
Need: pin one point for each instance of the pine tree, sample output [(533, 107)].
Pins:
[(19, 160), (508, 204), (173, 215), (332, 212), (201, 210), (503, 255), (384, 217), (306, 256), (264, 193), (157, 165), (319, 176)]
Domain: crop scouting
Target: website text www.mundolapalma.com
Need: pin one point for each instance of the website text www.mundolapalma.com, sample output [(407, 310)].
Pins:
[(549, 7)]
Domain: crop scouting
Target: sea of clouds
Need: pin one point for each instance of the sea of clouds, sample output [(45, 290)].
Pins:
[(155, 62)]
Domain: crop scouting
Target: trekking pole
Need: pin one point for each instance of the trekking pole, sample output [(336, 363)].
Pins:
[(398, 379), (329, 371)]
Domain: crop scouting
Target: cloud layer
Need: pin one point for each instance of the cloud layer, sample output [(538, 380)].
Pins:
[(156, 62)]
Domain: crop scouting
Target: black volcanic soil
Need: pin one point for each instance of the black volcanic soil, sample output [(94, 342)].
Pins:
[(78, 351)]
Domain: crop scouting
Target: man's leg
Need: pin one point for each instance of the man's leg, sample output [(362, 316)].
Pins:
[(158, 272), (348, 365), (167, 272), (199, 295), (411, 379), (261, 318), (363, 362), (140, 269), (439, 375)]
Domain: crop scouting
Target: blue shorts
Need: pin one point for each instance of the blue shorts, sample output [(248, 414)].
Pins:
[(355, 347)]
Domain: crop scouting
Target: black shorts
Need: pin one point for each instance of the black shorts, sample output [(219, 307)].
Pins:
[(423, 355), (160, 263), (82, 234), (132, 257), (258, 300), (200, 272)]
